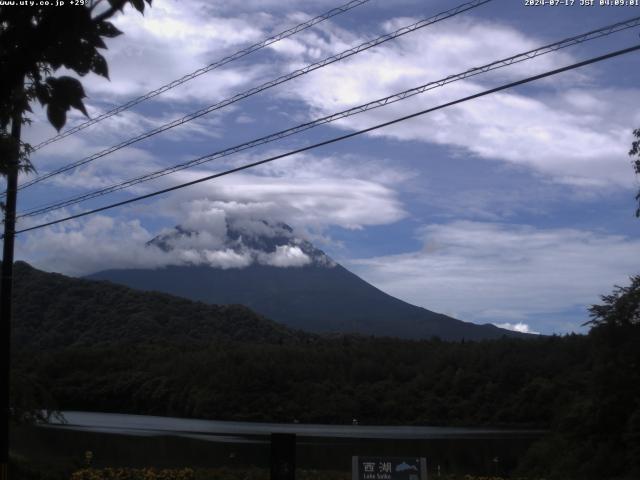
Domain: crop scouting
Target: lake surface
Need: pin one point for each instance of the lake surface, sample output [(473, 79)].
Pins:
[(139, 440)]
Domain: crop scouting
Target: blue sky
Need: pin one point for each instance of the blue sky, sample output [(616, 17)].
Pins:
[(515, 209)]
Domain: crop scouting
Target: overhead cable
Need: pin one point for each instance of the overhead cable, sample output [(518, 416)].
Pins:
[(336, 139), (267, 85), (235, 56), (607, 30)]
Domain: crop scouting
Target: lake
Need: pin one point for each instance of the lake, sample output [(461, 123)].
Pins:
[(140, 440)]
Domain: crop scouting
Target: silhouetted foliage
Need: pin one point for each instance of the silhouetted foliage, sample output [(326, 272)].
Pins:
[(597, 434), (620, 309), (635, 152), (36, 41)]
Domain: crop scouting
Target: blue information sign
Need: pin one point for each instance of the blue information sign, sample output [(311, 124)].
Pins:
[(388, 468)]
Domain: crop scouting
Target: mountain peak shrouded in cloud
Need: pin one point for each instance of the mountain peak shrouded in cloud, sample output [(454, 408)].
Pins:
[(265, 266), (223, 242)]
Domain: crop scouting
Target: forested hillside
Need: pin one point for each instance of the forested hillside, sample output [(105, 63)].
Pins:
[(514, 383), (95, 346), (54, 311)]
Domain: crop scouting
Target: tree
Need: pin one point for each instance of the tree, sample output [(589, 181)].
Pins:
[(635, 152), (36, 41), (620, 308)]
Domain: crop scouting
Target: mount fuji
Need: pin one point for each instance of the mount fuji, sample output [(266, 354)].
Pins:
[(269, 269)]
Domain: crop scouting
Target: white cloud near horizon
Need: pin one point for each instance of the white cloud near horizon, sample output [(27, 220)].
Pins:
[(504, 273), (517, 327)]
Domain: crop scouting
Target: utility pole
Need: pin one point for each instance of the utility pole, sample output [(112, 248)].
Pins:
[(6, 286)]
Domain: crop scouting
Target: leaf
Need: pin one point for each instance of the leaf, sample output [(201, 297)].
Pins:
[(80, 58), (43, 93), (97, 41), (78, 105), (117, 4), (99, 65), (106, 29), (57, 115), (65, 92), (138, 5)]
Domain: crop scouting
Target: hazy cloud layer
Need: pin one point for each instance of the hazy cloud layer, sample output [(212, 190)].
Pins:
[(307, 191), (504, 273)]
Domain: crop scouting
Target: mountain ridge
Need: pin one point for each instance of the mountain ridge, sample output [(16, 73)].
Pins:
[(54, 311)]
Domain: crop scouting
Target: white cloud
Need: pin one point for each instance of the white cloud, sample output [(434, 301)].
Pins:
[(307, 190), (82, 247), (425, 55), (287, 6), (205, 218), (569, 129), (100, 242), (516, 327), (511, 273), (286, 256), (173, 39), (123, 164), (244, 119), (224, 259)]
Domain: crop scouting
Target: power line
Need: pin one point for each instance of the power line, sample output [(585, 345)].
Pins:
[(594, 34), (235, 56), (270, 84), (337, 139)]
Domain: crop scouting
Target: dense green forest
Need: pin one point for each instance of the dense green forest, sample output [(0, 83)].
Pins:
[(53, 311), (96, 346), (378, 381)]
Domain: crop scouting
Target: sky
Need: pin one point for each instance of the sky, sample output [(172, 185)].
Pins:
[(515, 209)]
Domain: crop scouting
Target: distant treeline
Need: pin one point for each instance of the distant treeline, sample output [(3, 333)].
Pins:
[(96, 346)]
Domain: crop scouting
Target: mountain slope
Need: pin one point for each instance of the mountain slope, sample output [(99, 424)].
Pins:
[(315, 294), (54, 311)]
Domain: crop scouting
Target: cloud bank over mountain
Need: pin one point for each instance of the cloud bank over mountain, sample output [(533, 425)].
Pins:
[(212, 238)]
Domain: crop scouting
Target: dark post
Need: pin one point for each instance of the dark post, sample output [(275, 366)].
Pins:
[(283, 456), (6, 290)]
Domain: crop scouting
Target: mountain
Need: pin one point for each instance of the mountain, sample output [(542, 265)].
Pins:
[(267, 268), (53, 311)]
